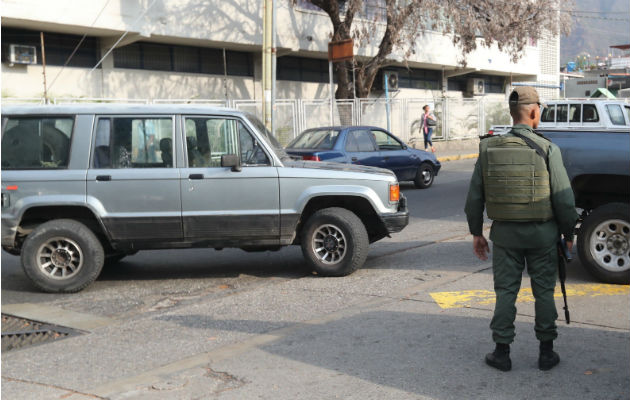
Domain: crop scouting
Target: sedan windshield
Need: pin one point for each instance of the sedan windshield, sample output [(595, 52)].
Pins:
[(315, 139)]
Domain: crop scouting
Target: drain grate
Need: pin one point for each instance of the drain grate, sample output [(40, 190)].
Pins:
[(20, 332)]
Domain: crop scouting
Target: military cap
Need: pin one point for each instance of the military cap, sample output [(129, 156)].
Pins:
[(525, 95)]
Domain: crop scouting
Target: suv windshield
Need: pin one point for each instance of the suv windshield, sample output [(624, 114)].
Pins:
[(260, 127), (323, 139)]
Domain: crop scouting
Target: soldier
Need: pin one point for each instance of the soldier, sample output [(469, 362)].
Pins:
[(530, 201)]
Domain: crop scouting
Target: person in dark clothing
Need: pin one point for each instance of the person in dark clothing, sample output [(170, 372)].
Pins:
[(531, 203)]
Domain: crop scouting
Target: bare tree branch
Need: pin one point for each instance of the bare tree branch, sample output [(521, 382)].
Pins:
[(508, 24)]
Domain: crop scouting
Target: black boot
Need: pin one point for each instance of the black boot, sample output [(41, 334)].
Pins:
[(500, 357), (547, 358)]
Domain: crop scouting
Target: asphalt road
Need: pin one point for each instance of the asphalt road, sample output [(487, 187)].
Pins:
[(412, 324)]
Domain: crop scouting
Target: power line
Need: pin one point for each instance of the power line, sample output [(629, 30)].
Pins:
[(593, 12), (600, 18), (76, 47), (133, 25), (611, 33)]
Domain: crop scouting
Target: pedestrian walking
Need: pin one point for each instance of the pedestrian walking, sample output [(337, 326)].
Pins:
[(427, 123), (521, 180)]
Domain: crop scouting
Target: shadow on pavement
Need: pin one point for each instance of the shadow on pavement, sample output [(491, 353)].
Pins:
[(438, 356)]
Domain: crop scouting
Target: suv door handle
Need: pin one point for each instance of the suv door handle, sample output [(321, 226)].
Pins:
[(354, 158), (195, 176), (103, 178)]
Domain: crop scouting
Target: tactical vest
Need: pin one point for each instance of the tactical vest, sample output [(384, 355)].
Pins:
[(515, 180)]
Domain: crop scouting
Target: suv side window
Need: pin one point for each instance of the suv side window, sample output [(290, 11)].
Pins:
[(549, 114), (575, 111), (616, 114), (563, 113), (133, 142), (590, 113), (207, 139), (36, 143)]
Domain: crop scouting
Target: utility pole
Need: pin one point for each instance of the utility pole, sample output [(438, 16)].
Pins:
[(269, 52)]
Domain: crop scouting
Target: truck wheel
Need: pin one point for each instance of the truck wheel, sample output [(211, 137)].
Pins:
[(62, 255), (424, 176), (604, 243), (334, 242)]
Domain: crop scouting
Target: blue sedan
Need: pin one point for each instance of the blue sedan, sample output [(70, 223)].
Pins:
[(366, 145)]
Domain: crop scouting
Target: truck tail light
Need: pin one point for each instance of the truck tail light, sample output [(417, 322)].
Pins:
[(394, 193), (490, 132), (311, 158)]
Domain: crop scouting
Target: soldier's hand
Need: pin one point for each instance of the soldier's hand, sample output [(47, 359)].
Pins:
[(480, 247)]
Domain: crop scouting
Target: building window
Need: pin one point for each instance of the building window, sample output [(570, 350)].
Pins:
[(58, 47), (302, 69), (199, 60), (417, 78)]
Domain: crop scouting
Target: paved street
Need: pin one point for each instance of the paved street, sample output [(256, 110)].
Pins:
[(412, 324)]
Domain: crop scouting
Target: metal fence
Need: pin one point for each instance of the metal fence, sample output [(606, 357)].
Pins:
[(457, 118)]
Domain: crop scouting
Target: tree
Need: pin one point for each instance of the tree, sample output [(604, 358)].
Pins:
[(509, 24)]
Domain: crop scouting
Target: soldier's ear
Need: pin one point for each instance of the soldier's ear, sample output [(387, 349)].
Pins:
[(532, 112)]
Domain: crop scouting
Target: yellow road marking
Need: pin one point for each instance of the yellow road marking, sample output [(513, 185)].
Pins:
[(470, 298)]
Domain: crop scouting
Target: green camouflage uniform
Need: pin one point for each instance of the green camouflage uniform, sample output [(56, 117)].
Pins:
[(518, 243)]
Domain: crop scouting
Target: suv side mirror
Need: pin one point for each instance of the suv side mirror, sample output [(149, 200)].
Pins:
[(231, 160)]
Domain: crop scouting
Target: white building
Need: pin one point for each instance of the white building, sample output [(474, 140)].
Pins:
[(174, 49)]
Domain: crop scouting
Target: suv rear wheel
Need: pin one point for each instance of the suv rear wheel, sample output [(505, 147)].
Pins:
[(334, 242), (62, 255)]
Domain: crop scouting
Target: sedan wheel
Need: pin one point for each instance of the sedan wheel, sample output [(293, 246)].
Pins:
[(424, 176)]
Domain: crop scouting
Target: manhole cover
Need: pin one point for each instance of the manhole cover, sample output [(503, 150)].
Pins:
[(20, 332)]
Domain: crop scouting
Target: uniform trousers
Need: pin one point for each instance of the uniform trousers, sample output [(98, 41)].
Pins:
[(507, 266)]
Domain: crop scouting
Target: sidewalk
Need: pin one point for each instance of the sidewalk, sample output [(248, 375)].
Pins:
[(458, 149)]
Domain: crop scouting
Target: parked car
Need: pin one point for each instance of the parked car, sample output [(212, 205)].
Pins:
[(594, 138), (82, 184), (366, 145)]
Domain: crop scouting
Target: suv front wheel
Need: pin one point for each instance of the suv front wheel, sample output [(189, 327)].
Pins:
[(334, 242), (62, 255)]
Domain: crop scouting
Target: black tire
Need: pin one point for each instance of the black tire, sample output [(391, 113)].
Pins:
[(424, 176), (604, 243), (62, 246), (344, 234)]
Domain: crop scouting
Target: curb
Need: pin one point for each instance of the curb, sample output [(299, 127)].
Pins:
[(458, 157)]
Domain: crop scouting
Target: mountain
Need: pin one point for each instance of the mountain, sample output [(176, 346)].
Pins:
[(597, 24)]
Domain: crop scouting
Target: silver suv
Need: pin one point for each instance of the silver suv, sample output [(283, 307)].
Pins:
[(83, 185)]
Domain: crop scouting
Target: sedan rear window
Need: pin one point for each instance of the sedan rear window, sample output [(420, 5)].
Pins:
[(36, 143), (318, 139)]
